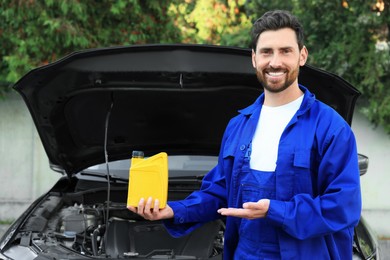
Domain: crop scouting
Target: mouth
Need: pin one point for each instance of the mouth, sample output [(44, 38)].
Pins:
[(275, 75)]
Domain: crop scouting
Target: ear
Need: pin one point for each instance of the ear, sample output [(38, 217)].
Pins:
[(304, 53), (253, 59)]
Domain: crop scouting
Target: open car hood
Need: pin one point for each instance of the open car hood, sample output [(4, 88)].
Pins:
[(172, 98)]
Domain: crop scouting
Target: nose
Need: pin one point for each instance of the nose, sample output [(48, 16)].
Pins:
[(275, 61)]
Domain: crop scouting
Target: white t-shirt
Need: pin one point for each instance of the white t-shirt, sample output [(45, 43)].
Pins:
[(265, 143)]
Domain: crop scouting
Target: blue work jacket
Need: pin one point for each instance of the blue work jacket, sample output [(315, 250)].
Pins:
[(318, 197)]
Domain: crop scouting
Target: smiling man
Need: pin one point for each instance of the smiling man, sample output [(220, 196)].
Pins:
[(277, 65), (287, 177)]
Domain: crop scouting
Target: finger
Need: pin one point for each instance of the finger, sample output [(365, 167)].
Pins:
[(239, 213), (252, 205), (222, 210), (233, 212), (148, 204), (262, 204), (131, 208), (147, 209), (141, 205), (156, 206)]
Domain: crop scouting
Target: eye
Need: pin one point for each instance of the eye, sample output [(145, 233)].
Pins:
[(265, 51)]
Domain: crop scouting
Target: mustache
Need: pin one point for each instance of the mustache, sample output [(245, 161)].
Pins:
[(275, 70)]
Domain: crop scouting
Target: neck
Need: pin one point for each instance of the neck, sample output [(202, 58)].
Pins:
[(281, 98)]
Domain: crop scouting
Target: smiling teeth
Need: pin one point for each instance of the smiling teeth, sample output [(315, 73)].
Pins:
[(275, 73)]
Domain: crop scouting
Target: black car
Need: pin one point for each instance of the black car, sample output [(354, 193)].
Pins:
[(93, 108)]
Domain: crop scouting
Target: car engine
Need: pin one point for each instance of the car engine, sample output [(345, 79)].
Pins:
[(82, 225)]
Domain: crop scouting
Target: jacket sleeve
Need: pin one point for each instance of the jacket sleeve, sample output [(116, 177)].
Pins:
[(200, 206), (338, 204)]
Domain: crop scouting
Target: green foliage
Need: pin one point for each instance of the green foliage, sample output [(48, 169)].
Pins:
[(6, 221), (34, 33), (222, 22), (344, 40), (342, 36)]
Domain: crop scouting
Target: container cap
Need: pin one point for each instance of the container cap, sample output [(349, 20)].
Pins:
[(138, 154)]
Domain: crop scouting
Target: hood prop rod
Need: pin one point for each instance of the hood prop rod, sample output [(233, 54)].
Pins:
[(106, 155)]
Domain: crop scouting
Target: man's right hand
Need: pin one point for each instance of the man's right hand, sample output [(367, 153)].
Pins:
[(145, 210)]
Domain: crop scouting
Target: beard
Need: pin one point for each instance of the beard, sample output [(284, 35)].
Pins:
[(281, 85)]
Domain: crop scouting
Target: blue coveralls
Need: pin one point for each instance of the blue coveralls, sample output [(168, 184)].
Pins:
[(256, 185), (317, 200)]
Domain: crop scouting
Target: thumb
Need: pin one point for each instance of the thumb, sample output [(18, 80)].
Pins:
[(263, 203), (250, 205)]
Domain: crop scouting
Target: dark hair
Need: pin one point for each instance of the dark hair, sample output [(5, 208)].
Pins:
[(275, 20)]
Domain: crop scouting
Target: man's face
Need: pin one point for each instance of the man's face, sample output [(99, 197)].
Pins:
[(277, 59)]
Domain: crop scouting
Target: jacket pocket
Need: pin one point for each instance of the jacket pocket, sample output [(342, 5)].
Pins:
[(302, 158), (302, 171)]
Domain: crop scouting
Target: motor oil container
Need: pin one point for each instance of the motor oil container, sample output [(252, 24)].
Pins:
[(148, 177)]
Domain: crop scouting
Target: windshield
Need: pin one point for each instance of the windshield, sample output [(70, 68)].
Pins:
[(178, 166)]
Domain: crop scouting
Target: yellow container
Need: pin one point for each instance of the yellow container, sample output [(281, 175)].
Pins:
[(148, 178)]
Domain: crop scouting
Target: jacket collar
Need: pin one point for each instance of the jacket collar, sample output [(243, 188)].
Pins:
[(307, 102)]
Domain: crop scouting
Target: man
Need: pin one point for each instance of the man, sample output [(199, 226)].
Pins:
[(287, 177)]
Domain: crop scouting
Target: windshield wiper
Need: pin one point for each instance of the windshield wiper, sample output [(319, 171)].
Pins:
[(113, 178)]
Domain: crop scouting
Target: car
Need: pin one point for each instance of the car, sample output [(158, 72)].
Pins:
[(93, 108)]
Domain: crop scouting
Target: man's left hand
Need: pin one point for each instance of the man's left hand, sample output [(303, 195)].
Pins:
[(249, 210)]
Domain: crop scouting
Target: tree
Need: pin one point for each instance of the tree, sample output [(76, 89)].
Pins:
[(349, 38), (220, 22), (34, 33), (345, 41)]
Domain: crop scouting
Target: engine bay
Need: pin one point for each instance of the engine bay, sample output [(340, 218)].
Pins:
[(82, 225)]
